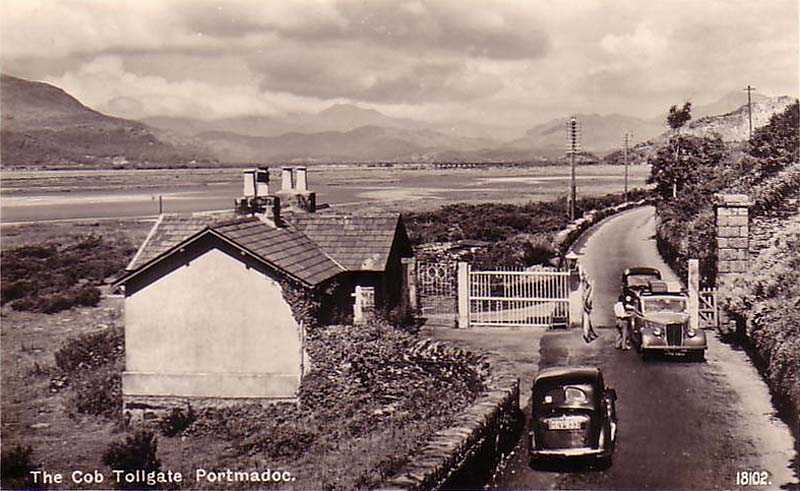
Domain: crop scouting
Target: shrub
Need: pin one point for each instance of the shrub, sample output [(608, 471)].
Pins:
[(91, 350), (92, 365), (402, 317), (138, 452), (99, 392), (177, 421), (51, 277), (16, 465), (521, 234)]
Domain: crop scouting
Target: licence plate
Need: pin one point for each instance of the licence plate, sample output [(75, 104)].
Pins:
[(564, 424)]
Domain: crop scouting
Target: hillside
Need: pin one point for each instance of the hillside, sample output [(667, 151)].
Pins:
[(734, 126), (364, 143), (43, 125), (599, 133)]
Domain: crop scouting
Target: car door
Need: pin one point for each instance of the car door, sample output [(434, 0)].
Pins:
[(638, 322)]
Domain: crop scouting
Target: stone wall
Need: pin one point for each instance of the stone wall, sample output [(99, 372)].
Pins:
[(466, 454), (568, 235), (763, 228)]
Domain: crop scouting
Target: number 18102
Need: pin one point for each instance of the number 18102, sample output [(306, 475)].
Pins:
[(752, 478)]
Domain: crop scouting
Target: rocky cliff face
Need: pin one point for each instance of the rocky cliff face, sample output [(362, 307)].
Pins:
[(734, 126)]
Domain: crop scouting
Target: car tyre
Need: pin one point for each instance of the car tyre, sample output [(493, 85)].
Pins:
[(605, 462), (646, 355), (699, 356)]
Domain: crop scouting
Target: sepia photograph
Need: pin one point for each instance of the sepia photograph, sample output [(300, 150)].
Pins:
[(400, 245)]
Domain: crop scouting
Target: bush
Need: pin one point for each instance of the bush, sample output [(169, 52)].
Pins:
[(138, 452), (92, 365), (685, 224), (767, 304), (91, 350), (50, 277), (521, 234), (177, 421), (16, 465), (99, 392)]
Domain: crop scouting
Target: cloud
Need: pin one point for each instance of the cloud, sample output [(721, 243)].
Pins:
[(104, 83), (368, 74), (642, 44), (502, 30), (503, 61)]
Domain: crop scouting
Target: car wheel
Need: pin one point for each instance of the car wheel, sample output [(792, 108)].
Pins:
[(605, 462), (699, 356), (646, 355)]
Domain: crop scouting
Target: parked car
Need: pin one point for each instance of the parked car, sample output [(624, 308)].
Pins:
[(660, 322), (573, 415), (637, 279)]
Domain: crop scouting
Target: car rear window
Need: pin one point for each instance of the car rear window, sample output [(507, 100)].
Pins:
[(569, 395), (640, 279)]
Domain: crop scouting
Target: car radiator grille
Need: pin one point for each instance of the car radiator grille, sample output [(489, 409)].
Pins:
[(674, 334)]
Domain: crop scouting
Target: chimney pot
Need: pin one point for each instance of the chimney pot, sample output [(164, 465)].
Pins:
[(286, 179), (301, 179), (262, 181), (249, 176)]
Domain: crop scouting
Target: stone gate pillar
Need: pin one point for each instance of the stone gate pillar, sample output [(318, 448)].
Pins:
[(733, 244)]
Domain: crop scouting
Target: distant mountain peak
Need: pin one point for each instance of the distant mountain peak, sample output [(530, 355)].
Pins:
[(343, 108)]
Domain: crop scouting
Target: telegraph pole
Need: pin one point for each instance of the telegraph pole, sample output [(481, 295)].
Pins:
[(573, 134), (750, 108), (627, 141)]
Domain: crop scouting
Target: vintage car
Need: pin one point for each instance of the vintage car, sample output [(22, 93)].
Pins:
[(660, 322), (637, 279), (573, 415)]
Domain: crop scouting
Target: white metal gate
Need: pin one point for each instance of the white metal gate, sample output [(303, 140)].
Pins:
[(518, 298), (707, 310)]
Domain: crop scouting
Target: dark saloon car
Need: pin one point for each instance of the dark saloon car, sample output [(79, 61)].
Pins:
[(573, 415), (634, 280)]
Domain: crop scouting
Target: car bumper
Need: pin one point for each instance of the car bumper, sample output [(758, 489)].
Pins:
[(675, 349), (571, 452), (697, 343)]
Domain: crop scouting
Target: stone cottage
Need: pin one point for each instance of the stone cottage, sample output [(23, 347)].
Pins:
[(209, 311)]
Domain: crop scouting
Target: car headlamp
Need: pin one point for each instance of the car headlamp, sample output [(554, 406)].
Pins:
[(656, 331), (691, 332)]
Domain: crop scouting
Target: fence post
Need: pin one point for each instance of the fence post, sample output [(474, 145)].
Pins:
[(694, 294), (575, 296), (409, 295), (463, 294)]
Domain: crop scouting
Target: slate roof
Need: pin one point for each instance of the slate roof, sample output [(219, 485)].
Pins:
[(284, 248), (172, 229), (311, 247), (356, 242)]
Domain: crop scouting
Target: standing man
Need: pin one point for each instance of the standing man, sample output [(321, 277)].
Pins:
[(589, 333), (623, 324)]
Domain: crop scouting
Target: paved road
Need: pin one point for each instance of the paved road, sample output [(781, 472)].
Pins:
[(682, 425)]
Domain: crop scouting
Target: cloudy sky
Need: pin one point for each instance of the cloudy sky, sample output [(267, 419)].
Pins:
[(514, 63)]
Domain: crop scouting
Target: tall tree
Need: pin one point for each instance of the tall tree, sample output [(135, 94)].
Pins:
[(676, 119)]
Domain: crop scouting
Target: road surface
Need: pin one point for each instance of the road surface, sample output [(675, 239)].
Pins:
[(682, 425)]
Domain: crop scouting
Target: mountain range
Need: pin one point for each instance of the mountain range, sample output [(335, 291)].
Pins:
[(43, 125)]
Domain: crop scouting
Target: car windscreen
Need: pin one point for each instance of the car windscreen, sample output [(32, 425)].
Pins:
[(664, 304), (640, 279), (556, 396)]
